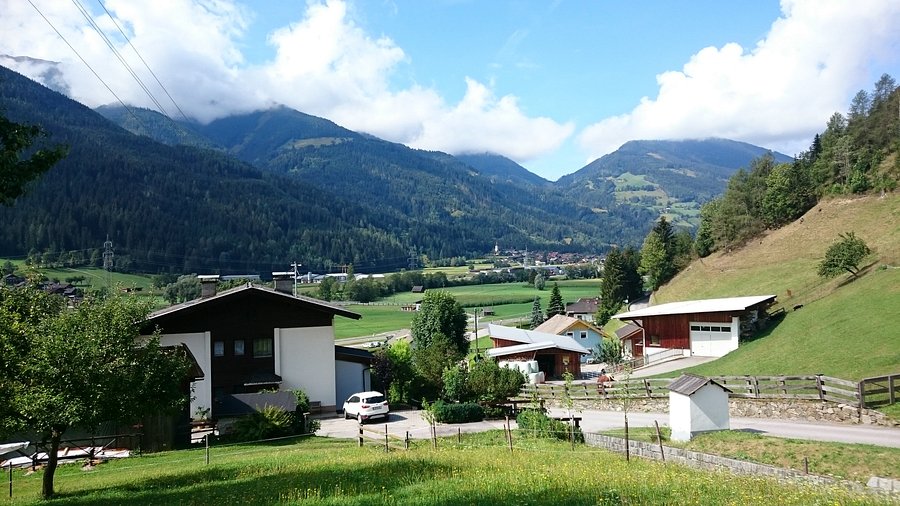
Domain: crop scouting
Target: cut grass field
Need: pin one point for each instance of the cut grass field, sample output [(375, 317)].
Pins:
[(853, 462), (478, 471), (510, 302), (846, 328)]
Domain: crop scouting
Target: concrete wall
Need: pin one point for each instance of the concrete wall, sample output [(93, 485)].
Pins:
[(304, 358), (199, 344)]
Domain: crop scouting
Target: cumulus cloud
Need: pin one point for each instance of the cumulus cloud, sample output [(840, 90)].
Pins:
[(777, 94), (324, 64)]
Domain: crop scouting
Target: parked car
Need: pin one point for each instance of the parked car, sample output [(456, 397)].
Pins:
[(365, 406)]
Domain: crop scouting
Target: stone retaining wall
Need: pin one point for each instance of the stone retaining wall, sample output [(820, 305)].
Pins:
[(784, 409), (715, 462)]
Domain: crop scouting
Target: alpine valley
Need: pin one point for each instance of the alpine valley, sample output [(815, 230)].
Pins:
[(253, 192)]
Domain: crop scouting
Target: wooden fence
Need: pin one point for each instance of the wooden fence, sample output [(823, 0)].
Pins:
[(389, 441), (870, 392)]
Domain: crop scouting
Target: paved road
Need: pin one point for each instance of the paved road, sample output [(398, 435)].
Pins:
[(598, 421)]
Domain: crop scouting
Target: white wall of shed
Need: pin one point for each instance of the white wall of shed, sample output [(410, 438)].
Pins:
[(680, 416), (709, 410)]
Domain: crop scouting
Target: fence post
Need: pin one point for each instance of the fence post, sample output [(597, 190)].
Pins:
[(509, 434), (10, 479), (805, 465), (459, 435), (360, 437), (386, 447), (207, 447), (647, 388), (755, 387), (861, 392), (659, 438), (891, 397), (406, 441), (819, 387)]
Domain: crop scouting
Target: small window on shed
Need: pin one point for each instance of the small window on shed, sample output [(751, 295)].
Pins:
[(583, 334), (570, 334), (695, 327), (219, 348), (654, 340), (704, 328), (238, 347)]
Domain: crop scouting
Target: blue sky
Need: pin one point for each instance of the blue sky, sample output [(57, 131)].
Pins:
[(551, 85)]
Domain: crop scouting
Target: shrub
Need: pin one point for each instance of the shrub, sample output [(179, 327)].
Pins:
[(535, 423), (457, 413), (270, 422)]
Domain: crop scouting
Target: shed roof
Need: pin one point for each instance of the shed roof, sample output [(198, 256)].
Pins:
[(559, 324), (698, 306), (242, 404), (534, 337), (689, 384), (627, 330), (584, 305), (520, 348)]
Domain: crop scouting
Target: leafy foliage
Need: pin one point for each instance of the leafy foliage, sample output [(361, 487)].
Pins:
[(15, 169), (534, 423), (81, 367), (185, 288), (440, 313), (446, 412), (489, 383), (844, 256), (609, 351), (269, 422), (431, 360)]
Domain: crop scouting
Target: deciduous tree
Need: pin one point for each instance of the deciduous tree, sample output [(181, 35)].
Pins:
[(440, 313), (16, 170), (844, 256)]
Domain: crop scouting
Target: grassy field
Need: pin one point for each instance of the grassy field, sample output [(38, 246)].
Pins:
[(478, 471), (846, 328), (854, 462), (510, 301)]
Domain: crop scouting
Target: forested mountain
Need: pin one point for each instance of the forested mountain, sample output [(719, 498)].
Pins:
[(670, 177), (361, 200), (500, 169)]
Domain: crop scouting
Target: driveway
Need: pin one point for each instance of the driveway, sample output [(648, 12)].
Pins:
[(598, 421)]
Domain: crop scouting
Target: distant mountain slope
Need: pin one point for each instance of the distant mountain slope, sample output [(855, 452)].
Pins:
[(837, 315), (154, 125), (500, 168), (671, 177)]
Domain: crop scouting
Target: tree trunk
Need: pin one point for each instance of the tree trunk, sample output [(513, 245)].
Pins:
[(50, 470)]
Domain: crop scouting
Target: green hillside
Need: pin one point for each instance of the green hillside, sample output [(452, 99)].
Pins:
[(846, 327)]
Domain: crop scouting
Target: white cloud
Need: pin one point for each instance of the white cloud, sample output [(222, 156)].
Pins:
[(777, 94), (324, 64)]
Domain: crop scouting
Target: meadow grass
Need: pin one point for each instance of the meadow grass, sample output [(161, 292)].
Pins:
[(478, 471), (856, 462)]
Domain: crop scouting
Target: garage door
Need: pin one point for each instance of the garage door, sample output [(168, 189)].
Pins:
[(711, 340)]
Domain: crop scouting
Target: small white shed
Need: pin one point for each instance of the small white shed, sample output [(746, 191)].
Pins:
[(697, 404)]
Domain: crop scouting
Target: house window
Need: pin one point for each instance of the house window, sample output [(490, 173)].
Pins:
[(219, 348), (654, 340), (262, 347), (570, 334), (583, 334), (238, 347)]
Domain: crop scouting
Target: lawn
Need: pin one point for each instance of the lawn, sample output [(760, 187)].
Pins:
[(856, 462), (479, 471)]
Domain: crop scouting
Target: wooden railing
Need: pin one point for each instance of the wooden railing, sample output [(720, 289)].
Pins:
[(871, 392)]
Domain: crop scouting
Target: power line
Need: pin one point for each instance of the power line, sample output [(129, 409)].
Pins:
[(86, 64), (183, 115)]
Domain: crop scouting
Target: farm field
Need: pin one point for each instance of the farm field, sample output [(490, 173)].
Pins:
[(473, 472), (510, 301)]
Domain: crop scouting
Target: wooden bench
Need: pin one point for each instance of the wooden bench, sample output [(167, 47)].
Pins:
[(568, 419)]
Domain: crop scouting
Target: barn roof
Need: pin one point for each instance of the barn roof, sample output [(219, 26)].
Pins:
[(534, 337), (724, 305), (688, 384)]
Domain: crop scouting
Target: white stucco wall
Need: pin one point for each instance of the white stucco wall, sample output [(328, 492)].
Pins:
[(198, 343), (705, 410), (304, 358)]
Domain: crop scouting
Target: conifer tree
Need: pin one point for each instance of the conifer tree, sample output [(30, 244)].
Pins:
[(537, 315), (556, 305)]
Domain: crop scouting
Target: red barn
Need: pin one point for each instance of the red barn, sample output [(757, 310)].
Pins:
[(709, 327)]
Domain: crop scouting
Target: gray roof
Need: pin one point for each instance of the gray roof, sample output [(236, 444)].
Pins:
[(242, 404), (627, 330), (688, 384), (729, 304), (533, 338)]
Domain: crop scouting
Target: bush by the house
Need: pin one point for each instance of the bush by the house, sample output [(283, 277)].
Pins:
[(269, 422), (457, 413), (534, 423)]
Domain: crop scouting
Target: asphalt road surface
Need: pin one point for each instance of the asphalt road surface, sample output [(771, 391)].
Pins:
[(597, 421)]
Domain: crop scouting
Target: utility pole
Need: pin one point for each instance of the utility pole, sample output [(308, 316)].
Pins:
[(477, 351), (108, 259), (295, 265)]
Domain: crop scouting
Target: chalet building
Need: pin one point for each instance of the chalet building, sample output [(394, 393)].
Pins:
[(251, 338), (581, 331), (583, 309), (709, 327), (554, 354)]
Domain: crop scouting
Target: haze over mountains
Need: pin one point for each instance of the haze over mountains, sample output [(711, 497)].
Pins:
[(257, 191)]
